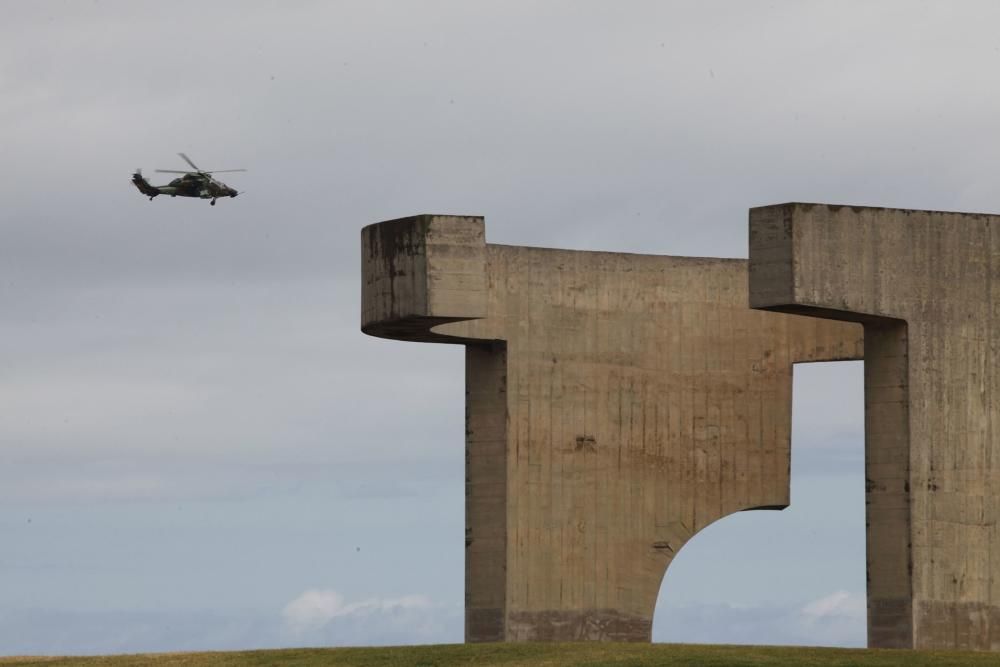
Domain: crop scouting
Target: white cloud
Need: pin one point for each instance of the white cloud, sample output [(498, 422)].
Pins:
[(382, 623), (841, 604), (316, 608), (837, 619)]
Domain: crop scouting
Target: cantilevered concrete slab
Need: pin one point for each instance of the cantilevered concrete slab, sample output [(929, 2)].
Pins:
[(616, 404), (926, 287)]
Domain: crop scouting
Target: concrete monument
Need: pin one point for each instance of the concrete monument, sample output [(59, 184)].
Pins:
[(926, 287), (616, 404)]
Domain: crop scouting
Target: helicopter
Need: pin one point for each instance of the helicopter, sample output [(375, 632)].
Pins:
[(195, 183)]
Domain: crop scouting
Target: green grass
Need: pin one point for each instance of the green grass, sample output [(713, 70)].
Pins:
[(549, 655)]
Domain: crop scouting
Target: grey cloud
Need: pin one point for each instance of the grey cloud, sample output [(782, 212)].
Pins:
[(157, 352), (161, 479)]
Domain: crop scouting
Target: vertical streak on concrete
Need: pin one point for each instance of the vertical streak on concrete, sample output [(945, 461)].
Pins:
[(485, 492), (887, 485)]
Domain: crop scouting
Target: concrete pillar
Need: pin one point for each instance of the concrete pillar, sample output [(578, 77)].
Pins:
[(926, 287), (616, 404)]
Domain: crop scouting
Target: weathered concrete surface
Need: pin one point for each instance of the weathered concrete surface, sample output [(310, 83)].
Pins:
[(926, 286), (616, 405)]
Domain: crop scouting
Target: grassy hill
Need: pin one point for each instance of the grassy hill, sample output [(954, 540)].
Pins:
[(549, 655)]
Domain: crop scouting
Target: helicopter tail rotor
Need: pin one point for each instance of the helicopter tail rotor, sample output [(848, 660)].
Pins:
[(143, 185)]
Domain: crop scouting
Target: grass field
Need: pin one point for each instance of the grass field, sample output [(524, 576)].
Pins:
[(549, 655)]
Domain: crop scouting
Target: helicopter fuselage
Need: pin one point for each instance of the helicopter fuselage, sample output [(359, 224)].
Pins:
[(189, 185), (197, 183)]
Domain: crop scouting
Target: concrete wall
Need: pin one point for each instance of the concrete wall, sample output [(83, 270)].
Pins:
[(616, 405), (926, 286)]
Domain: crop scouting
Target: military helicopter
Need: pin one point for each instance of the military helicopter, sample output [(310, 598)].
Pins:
[(195, 183)]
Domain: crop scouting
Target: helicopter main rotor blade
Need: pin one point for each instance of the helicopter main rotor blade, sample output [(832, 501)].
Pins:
[(221, 171), (171, 171), (188, 160)]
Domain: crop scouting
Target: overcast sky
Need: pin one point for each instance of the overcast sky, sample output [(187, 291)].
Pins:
[(198, 447)]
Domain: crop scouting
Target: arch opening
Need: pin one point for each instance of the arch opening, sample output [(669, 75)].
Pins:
[(797, 576)]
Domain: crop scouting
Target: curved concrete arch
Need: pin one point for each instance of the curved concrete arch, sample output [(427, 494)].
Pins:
[(715, 524), (615, 405)]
